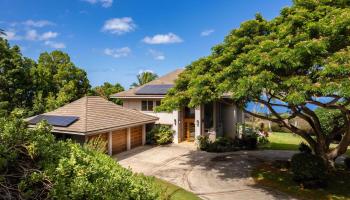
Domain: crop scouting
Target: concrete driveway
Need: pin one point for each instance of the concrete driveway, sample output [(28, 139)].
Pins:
[(209, 175)]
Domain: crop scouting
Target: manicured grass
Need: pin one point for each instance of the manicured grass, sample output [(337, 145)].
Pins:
[(286, 141), (174, 192), (283, 141), (281, 179)]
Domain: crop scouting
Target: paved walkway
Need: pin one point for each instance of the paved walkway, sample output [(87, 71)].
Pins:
[(209, 175)]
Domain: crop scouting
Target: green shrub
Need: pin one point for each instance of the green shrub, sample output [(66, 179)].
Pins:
[(97, 144), (39, 167), (304, 148), (203, 142), (162, 134), (309, 170), (250, 142), (221, 144), (347, 163), (263, 140)]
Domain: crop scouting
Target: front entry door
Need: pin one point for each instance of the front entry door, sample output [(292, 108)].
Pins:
[(189, 126)]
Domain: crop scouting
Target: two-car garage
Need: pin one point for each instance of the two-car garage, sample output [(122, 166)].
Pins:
[(122, 142), (94, 117)]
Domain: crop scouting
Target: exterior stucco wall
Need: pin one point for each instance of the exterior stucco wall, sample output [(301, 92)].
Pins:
[(225, 116), (135, 104)]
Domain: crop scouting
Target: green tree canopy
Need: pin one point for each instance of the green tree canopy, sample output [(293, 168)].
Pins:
[(15, 80), (57, 81), (106, 90), (297, 61), (30, 88), (144, 78)]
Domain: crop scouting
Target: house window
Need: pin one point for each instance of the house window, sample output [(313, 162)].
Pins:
[(147, 106), (208, 115), (157, 103)]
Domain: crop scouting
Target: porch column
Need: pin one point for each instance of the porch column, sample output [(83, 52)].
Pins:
[(110, 143), (198, 122), (176, 125), (144, 134), (128, 139)]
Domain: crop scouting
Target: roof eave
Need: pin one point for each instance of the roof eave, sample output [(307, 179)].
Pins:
[(138, 97)]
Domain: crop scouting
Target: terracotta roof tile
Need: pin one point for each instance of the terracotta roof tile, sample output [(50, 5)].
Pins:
[(97, 114)]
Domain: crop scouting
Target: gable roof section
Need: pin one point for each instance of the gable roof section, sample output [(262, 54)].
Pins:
[(168, 79), (97, 114)]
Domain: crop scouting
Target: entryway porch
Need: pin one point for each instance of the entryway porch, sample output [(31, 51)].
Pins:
[(214, 119)]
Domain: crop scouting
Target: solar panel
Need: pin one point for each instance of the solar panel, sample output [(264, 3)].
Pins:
[(154, 89), (55, 120)]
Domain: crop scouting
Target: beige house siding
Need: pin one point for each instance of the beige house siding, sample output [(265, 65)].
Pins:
[(135, 104)]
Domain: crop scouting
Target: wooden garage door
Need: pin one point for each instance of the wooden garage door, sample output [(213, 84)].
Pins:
[(103, 136), (136, 136), (119, 141)]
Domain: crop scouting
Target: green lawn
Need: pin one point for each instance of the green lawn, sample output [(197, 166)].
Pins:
[(286, 141), (281, 179), (174, 192)]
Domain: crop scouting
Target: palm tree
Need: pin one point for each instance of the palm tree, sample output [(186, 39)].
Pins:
[(144, 78), (2, 32)]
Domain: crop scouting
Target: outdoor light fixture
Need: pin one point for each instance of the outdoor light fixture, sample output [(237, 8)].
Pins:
[(174, 121), (197, 123)]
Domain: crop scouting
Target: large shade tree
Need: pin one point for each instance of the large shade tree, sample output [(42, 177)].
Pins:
[(298, 62)]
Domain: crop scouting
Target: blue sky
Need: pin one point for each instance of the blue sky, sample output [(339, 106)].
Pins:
[(113, 40)]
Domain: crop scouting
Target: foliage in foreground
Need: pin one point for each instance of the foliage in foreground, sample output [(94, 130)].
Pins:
[(298, 59), (35, 166)]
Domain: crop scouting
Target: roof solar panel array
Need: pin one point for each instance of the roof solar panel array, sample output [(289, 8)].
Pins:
[(154, 89), (54, 120)]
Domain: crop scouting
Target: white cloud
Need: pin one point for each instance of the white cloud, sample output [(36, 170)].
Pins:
[(39, 23), (157, 55), (12, 35), (162, 39), (104, 3), (117, 53), (33, 35), (207, 32), (119, 25), (55, 45), (48, 35)]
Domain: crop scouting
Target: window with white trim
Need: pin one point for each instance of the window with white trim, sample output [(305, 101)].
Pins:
[(147, 105)]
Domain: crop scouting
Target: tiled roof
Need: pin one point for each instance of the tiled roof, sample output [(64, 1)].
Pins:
[(167, 79), (97, 114)]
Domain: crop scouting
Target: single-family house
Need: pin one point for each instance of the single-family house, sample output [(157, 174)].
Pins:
[(218, 118), (91, 117)]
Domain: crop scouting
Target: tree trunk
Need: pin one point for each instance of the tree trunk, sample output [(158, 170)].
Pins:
[(341, 148)]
